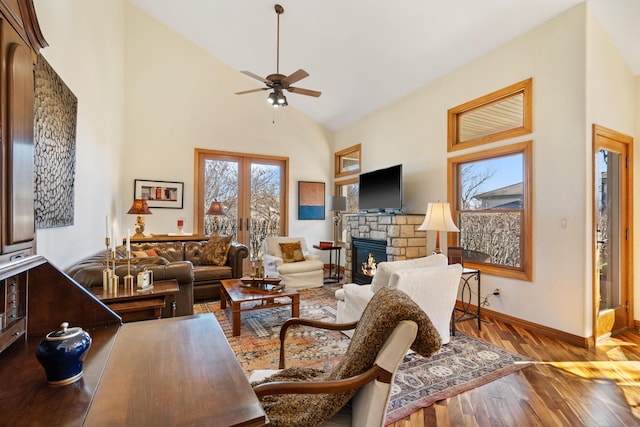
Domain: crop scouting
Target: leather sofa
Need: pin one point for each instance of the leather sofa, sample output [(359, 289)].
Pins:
[(178, 258)]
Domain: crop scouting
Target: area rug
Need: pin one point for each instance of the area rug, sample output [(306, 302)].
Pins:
[(465, 363)]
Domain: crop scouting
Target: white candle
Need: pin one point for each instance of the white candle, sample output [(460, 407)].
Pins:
[(106, 233), (128, 240), (113, 241)]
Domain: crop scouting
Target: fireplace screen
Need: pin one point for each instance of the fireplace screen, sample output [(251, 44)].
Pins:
[(367, 253)]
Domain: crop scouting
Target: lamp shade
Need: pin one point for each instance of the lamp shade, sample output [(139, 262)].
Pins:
[(140, 207), (215, 209), (338, 203), (438, 218)]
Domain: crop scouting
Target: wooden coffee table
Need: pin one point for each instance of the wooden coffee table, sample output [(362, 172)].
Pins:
[(235, 295)]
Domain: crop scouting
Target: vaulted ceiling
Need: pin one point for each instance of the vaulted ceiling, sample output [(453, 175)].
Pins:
[(363, 54)]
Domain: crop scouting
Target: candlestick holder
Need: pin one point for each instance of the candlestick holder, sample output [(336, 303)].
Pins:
[(128, 279), (106, 273), (113, 285)]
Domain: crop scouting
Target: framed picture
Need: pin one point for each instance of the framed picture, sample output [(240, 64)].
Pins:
[(159, 194), (310, 200)]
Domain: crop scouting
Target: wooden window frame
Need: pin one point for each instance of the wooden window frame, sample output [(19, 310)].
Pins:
[(525, 271), (343, 153), (453, 116)]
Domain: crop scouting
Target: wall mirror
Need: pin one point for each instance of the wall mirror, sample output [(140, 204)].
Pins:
[(499, 115)]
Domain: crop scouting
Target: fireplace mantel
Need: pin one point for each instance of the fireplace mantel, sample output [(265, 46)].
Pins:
[(403, 239)]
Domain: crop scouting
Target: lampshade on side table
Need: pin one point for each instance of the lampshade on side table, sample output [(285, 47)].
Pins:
[(438, 218), (139, 208)]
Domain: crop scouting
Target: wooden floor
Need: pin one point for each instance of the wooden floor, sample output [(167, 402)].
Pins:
[(567, 386)]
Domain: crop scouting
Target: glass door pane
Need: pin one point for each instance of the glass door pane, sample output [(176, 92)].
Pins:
[(221, 185), (266, 202), (608, 231)]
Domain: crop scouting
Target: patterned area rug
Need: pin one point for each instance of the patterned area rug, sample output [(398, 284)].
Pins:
[(461, 365)]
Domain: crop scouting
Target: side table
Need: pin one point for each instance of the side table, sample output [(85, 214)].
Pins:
[(336, 247), (464, 311), (140, 305)]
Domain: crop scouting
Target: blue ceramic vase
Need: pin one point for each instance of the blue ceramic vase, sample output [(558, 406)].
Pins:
[(62, 354)]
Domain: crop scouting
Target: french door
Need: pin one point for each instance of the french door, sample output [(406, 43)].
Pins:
[(612, 231), (252, 190)]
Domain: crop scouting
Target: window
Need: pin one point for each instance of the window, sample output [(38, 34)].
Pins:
[(491, 197), (499, 115), (347, 161)]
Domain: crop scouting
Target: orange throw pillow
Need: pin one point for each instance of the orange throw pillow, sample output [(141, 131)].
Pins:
[(291, 252), (151, 252)]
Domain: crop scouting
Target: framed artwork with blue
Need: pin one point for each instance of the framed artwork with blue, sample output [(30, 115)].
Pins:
[(310, 200)]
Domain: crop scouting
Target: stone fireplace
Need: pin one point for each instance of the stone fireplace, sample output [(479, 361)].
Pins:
[(399, 233)]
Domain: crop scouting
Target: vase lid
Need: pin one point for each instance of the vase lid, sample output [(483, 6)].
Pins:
[(65, 332)]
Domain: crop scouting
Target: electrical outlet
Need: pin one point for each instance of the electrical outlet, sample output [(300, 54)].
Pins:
[(497, 291)]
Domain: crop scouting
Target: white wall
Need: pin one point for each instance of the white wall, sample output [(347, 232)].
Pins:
[(610, 103), (179, 97), (86, 49), (413, 130)]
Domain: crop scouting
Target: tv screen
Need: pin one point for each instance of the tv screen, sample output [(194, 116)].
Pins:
[(381, 190)]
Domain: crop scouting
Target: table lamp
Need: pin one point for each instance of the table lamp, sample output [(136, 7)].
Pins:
[(438, 218), (139, 208), (215, 210), (337, 204)]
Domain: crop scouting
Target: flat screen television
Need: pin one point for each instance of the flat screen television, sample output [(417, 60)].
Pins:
[(381, 190)]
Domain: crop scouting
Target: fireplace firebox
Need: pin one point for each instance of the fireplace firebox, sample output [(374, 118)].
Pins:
[(366, 254)]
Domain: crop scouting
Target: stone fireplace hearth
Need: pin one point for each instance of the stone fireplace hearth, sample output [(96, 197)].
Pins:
[(403, 240)]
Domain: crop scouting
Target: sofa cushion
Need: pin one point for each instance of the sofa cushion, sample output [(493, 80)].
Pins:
[(172, 251), (386, 268), (210, 273), (139, 254), (215, 250), (291, 252)]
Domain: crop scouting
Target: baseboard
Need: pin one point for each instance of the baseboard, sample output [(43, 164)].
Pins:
[(531, 326)]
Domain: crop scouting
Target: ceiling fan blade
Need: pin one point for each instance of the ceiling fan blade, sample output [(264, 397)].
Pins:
[(251, 90), (308, 92), (296, 76), (255, 76)]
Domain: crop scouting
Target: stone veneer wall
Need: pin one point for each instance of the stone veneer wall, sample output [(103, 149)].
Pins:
[(403, 240)]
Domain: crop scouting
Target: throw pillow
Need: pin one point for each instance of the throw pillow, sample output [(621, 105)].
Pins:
[(151, 252), (215, 251), (292, 252), (139, 254)]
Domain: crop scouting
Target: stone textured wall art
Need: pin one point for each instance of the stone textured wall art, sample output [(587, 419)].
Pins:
[(56, 112)]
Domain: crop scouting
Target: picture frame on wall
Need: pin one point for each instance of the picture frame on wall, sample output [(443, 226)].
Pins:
[(310, 200), (160, 194)]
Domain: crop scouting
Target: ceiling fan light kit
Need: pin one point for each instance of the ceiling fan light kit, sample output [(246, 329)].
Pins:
[(279, 82)]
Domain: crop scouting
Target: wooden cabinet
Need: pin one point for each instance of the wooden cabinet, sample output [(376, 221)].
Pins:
[(20, 40), (13, 297)]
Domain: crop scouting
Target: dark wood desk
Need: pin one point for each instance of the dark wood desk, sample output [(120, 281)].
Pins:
[(177, 371), (140, 305)]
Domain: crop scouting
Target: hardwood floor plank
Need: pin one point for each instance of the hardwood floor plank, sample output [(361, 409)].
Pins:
[(569, 386)]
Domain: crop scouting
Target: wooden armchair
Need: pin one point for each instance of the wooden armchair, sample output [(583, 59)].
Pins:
[(390, 324)]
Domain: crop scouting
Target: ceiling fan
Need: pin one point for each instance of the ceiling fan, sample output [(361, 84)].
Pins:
[(279, 82)]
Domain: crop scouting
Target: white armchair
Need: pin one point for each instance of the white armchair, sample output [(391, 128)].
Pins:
[(303, 274), (429, 281)]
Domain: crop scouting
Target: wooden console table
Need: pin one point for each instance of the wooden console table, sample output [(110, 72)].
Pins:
[(140, 305), (169, 238)]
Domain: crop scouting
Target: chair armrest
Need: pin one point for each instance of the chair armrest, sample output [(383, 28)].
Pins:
[(324, 387), (311, 257), (308, 322), (271, 264)]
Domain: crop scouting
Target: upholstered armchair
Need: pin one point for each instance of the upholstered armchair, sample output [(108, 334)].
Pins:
[(290, 259), (390, 324), (429, 281)]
